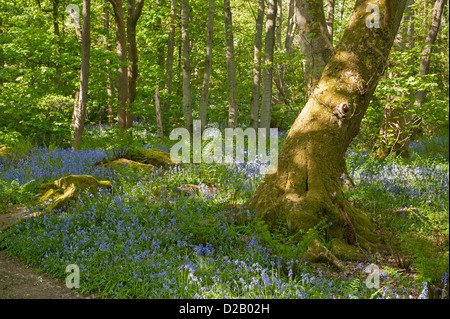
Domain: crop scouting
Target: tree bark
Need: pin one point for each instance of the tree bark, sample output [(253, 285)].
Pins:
[(330, 18), (315, 41), (159, 125), (208, 65), (187, 105), (426, 52), (266, 101), (231, 68), (394, 132), (256, 88), (80, 111), (159, 122), (55, 13), (170, 50), (122, 92), (290, 28), (133, 13), (306, 187), (109, 82)]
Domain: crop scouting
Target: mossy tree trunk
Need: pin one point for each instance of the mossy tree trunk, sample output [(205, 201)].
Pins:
[(307, 185)]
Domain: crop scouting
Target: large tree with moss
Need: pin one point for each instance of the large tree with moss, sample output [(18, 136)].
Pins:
[(307, 186)]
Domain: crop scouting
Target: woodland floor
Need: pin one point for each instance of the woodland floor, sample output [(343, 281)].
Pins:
[(21, 281)]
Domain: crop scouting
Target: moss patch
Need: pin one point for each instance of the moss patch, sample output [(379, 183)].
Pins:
[(68, 188), (123, 162), (318, 253), (153, 157)]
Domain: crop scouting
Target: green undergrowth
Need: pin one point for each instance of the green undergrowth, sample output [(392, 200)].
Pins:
[(183, 232)]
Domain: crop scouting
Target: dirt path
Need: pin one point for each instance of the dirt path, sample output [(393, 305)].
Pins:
[(21, 281)]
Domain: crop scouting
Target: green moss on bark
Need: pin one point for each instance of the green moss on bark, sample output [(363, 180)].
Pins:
[(61, 191), (153, 157)]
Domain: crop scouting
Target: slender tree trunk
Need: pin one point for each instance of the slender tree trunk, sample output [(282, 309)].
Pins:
[(170, 50), (426, 52), (122, 92), (208, 65), (133, 13), (2, 59), (306, 188), (290, 28), (85, 55), (394, 132), (282, 84), (159, 122), (109, 82), (187, 105), (256, 88), (278, 77), (55, 13), (315, 41), (330, 18), (231, 68), (266, 101), (279, 24)]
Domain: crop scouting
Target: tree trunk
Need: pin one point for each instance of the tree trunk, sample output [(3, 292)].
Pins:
[(55, 14), (315, 41), (187, 105), (208, 65), (306, 187), (158, 113), (281, 83), (2, 58), (426, 52), (256, 88), (231, 68), (122, 92), (291, 27), (394, 132), (159, 122), (109, 83), (266, 101), (330, 18), (170, 50), (279, 75), (80, 111), (133, 14)]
